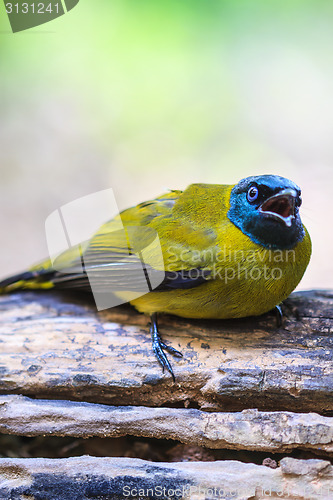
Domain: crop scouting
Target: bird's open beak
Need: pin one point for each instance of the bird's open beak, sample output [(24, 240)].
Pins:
[(281, 206)]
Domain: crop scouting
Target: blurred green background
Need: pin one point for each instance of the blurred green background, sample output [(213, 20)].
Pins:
[(143, 96)]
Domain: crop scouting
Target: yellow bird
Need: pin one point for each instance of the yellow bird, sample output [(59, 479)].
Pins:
[(228, 251)]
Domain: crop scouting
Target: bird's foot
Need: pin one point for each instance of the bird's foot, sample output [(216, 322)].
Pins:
[(279, 316), (159, 345)]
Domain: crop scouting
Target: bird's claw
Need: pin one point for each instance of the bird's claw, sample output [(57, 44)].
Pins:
[(170, 349), (159, 345), (279, 316)]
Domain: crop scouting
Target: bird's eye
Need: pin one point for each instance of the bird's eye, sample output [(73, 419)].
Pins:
[(252, 194)]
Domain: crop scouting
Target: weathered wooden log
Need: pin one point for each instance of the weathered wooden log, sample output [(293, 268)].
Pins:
[(56, 346), (118, 478), (253, 430)]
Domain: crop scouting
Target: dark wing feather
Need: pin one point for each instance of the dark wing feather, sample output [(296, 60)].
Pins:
[(130, 276), (183, 279)]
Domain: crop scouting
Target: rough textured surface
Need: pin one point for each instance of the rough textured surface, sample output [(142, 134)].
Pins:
[(249, 430), (85, 478), (57, 346)]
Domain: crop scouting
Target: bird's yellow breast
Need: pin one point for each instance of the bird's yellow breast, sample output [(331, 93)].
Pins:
[(246, 280)]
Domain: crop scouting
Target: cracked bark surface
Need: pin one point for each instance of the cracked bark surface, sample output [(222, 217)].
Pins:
[(242, 384), (118, 478), (251, 429), (56, 346)]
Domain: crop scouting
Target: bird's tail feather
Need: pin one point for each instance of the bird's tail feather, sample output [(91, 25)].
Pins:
[(32, 280)]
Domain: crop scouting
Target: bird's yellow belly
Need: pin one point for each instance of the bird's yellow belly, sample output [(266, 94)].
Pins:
[(237, 289)]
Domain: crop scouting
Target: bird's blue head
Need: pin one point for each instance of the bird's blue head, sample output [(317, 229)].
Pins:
[(266, 209)]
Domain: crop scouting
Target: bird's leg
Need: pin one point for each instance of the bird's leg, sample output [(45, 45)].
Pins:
[(159, 345), (279, 316)]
